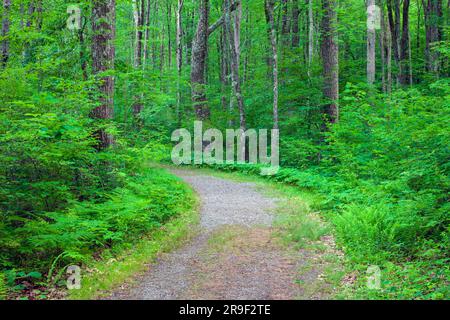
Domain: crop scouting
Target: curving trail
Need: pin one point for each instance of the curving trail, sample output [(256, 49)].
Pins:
[(234, 257)]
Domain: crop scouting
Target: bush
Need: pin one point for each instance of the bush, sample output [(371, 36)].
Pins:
[(143, 204)]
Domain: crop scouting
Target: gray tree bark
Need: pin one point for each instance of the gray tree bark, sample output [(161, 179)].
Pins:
[(103, 55), (5, 32), (310, 36), (330, 57), (273, 41), (198, 64), (295, 24), (371, 46), (404, 46), (179, 44), (433, 28), (234, 61)]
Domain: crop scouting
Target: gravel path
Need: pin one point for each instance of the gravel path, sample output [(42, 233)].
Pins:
[(249, 266)]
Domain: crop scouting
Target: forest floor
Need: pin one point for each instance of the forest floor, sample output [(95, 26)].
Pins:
[(239, 251)]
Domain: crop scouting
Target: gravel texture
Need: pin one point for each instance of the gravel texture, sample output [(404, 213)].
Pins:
[(248, 268)]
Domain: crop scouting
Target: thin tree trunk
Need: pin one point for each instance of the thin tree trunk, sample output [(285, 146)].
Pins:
[(139, 14), (234, 50), (155, 35), (27, 50), (394, 25), (145, 54), (136, 31), (273, 41), (198, 64), (248, 43), (330, 52), (237, 18), (103, 55), (404, 45), (386, 49), (5, 33), (295, 24), (169, 34), (383, 47), (371, 40), (83, 58), (179, 56), (310, 36), (433, 16), (285, 25)]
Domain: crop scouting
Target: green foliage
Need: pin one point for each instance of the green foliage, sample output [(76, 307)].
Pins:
[(382, 170), (384, 176), (3, 289), (143, 204)]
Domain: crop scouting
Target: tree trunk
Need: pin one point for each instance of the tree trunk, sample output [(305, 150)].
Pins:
[(295, 24), (404, 45), (394, 25), (273, 41), (310, 36), (433, 16), (139, 15), (179, 56), (234, 55), (198, 64), (330, 52), (103, 55), (224, 67), (371, 40), (145, 54), (5, 33), (237, 18), (169, 34), (285, 26), (386, 53), (83, 58), (27, 54)]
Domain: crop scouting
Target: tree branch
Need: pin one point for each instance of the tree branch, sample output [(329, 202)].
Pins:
[(219, 22)]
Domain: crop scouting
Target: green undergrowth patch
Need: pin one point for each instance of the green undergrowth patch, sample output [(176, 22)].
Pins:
[(113, 270), (110, 239)]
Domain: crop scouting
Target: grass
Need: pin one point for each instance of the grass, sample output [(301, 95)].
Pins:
[(103, 276)]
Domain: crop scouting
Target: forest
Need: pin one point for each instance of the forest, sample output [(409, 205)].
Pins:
[(91, 92)]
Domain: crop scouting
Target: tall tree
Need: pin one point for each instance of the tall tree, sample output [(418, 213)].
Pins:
[(199, 53), (371, 42), (285, 25), (330, 58), (198, 64), (139, 18), (433, 29), (386, 51), (103, 56), (234, 46), (295, 24), (145, 53), (274, 60), (310, 35), (393, 7), (5, 32), (179, 45), (405, 46)]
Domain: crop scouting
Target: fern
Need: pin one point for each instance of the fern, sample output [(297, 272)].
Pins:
[(3, 289)]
